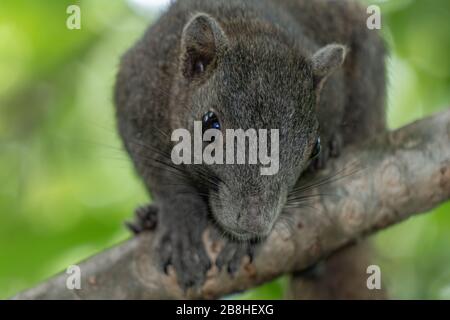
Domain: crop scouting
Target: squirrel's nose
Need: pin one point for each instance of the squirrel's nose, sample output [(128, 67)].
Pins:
[(253, 207), (253, 219)]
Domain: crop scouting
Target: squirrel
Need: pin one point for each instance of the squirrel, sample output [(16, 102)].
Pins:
[(311, 69)]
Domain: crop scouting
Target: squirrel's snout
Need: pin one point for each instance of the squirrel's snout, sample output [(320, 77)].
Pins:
[(256, 218), (247, 215)]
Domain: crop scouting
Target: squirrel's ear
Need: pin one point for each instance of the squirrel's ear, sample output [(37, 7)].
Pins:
[(325, 61), (201, 41)]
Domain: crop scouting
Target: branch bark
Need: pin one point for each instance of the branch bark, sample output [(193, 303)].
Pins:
[(400, 173)]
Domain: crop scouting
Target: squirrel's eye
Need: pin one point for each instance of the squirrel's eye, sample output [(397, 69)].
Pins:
[(199, 67), (316, 150), (210, 121)]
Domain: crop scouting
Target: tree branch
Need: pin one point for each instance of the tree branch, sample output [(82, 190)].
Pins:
[(399, 174)]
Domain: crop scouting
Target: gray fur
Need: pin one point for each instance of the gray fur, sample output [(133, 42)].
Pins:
[(265, 63)]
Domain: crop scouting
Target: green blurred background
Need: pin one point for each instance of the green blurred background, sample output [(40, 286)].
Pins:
[(66, 186)]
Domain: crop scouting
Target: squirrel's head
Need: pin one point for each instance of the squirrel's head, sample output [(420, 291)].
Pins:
[(251, 78)]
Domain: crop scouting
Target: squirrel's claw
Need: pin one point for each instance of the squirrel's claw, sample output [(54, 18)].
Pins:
[(146, 218)]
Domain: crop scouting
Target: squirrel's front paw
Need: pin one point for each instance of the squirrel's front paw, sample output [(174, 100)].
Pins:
[(232, 254), (146, 218), (182, 247)]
